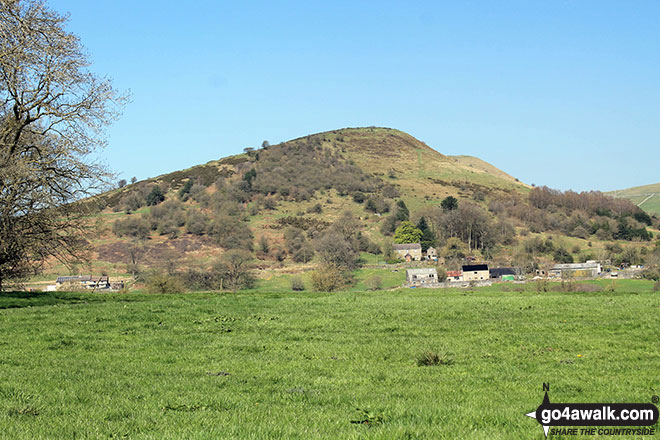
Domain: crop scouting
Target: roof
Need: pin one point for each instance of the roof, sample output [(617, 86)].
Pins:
[(423, 271), (406, 246), (475, 267), (71, 279), (576, 266), (499, 271), (454, 273), (431, 248)]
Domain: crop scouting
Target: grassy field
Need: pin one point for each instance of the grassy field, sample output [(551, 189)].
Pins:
[(316, 365), (641, 194)]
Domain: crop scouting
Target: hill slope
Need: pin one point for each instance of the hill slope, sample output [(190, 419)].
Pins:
[(646, 197), (277, 202)]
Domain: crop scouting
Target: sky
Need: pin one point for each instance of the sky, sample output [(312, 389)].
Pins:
[(558, 93)]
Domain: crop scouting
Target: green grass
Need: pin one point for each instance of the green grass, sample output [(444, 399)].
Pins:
[(313, 365)]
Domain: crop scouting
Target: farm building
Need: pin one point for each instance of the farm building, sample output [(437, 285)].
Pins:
[(454, 275), (590, 269), (421, 277), (86, 281), (502, 274), (408, 251), (431, 254), (475, 272)]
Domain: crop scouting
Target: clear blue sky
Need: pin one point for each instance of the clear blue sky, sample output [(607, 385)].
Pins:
[(561, 93)]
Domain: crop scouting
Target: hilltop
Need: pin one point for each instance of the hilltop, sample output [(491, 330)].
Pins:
[(646, 197), (283, 203)]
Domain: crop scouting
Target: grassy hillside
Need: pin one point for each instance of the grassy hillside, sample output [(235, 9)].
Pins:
[(646, 197), (352, 365), (251, 200)]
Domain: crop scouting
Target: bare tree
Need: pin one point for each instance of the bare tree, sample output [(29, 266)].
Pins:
[(53, 111)]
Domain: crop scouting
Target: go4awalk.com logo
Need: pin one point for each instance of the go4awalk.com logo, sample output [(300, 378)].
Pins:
[(595, 418)]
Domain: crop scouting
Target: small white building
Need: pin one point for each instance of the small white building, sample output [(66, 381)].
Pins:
[(421, 277), (431, 253)]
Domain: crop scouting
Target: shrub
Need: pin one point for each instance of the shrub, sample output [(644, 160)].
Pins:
[(185, 190), (200, 280), (327, 278), (377, 205), (132, 202), (317, 208), (374, 283), (159, 283), (231, 233), (135, 227), (297, 284), (197, 223), (442, 274), (541, 286), (155, 196)]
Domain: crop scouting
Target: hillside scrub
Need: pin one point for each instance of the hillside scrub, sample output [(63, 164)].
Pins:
[(304, 166)]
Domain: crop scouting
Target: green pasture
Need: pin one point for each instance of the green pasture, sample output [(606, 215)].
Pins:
[(284, 365)]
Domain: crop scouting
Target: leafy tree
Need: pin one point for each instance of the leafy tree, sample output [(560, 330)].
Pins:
[(121, 183), (449, 203), (155, 196), (133, 180), (407, 233), (53, 110)]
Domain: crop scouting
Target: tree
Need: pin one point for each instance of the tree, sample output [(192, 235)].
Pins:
[(449, 203), (402, 213), (428, 237), (133, 180), (407, 233), (234, 270), (334, 249), (121, 183), (53, 110), (155, 196)]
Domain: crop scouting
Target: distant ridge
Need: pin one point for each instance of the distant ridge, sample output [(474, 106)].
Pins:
[(646, 197)]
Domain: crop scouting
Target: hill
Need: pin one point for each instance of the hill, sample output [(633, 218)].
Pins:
[(287, 205), (646, 197)]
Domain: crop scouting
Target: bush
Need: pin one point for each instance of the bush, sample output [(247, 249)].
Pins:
[(135, 227), (155, 196), (317, 208), (374, 283), (297, 284), (231, 233), (197, 223), (327, 278), (200, 280), (442, 274), (159, 283)]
